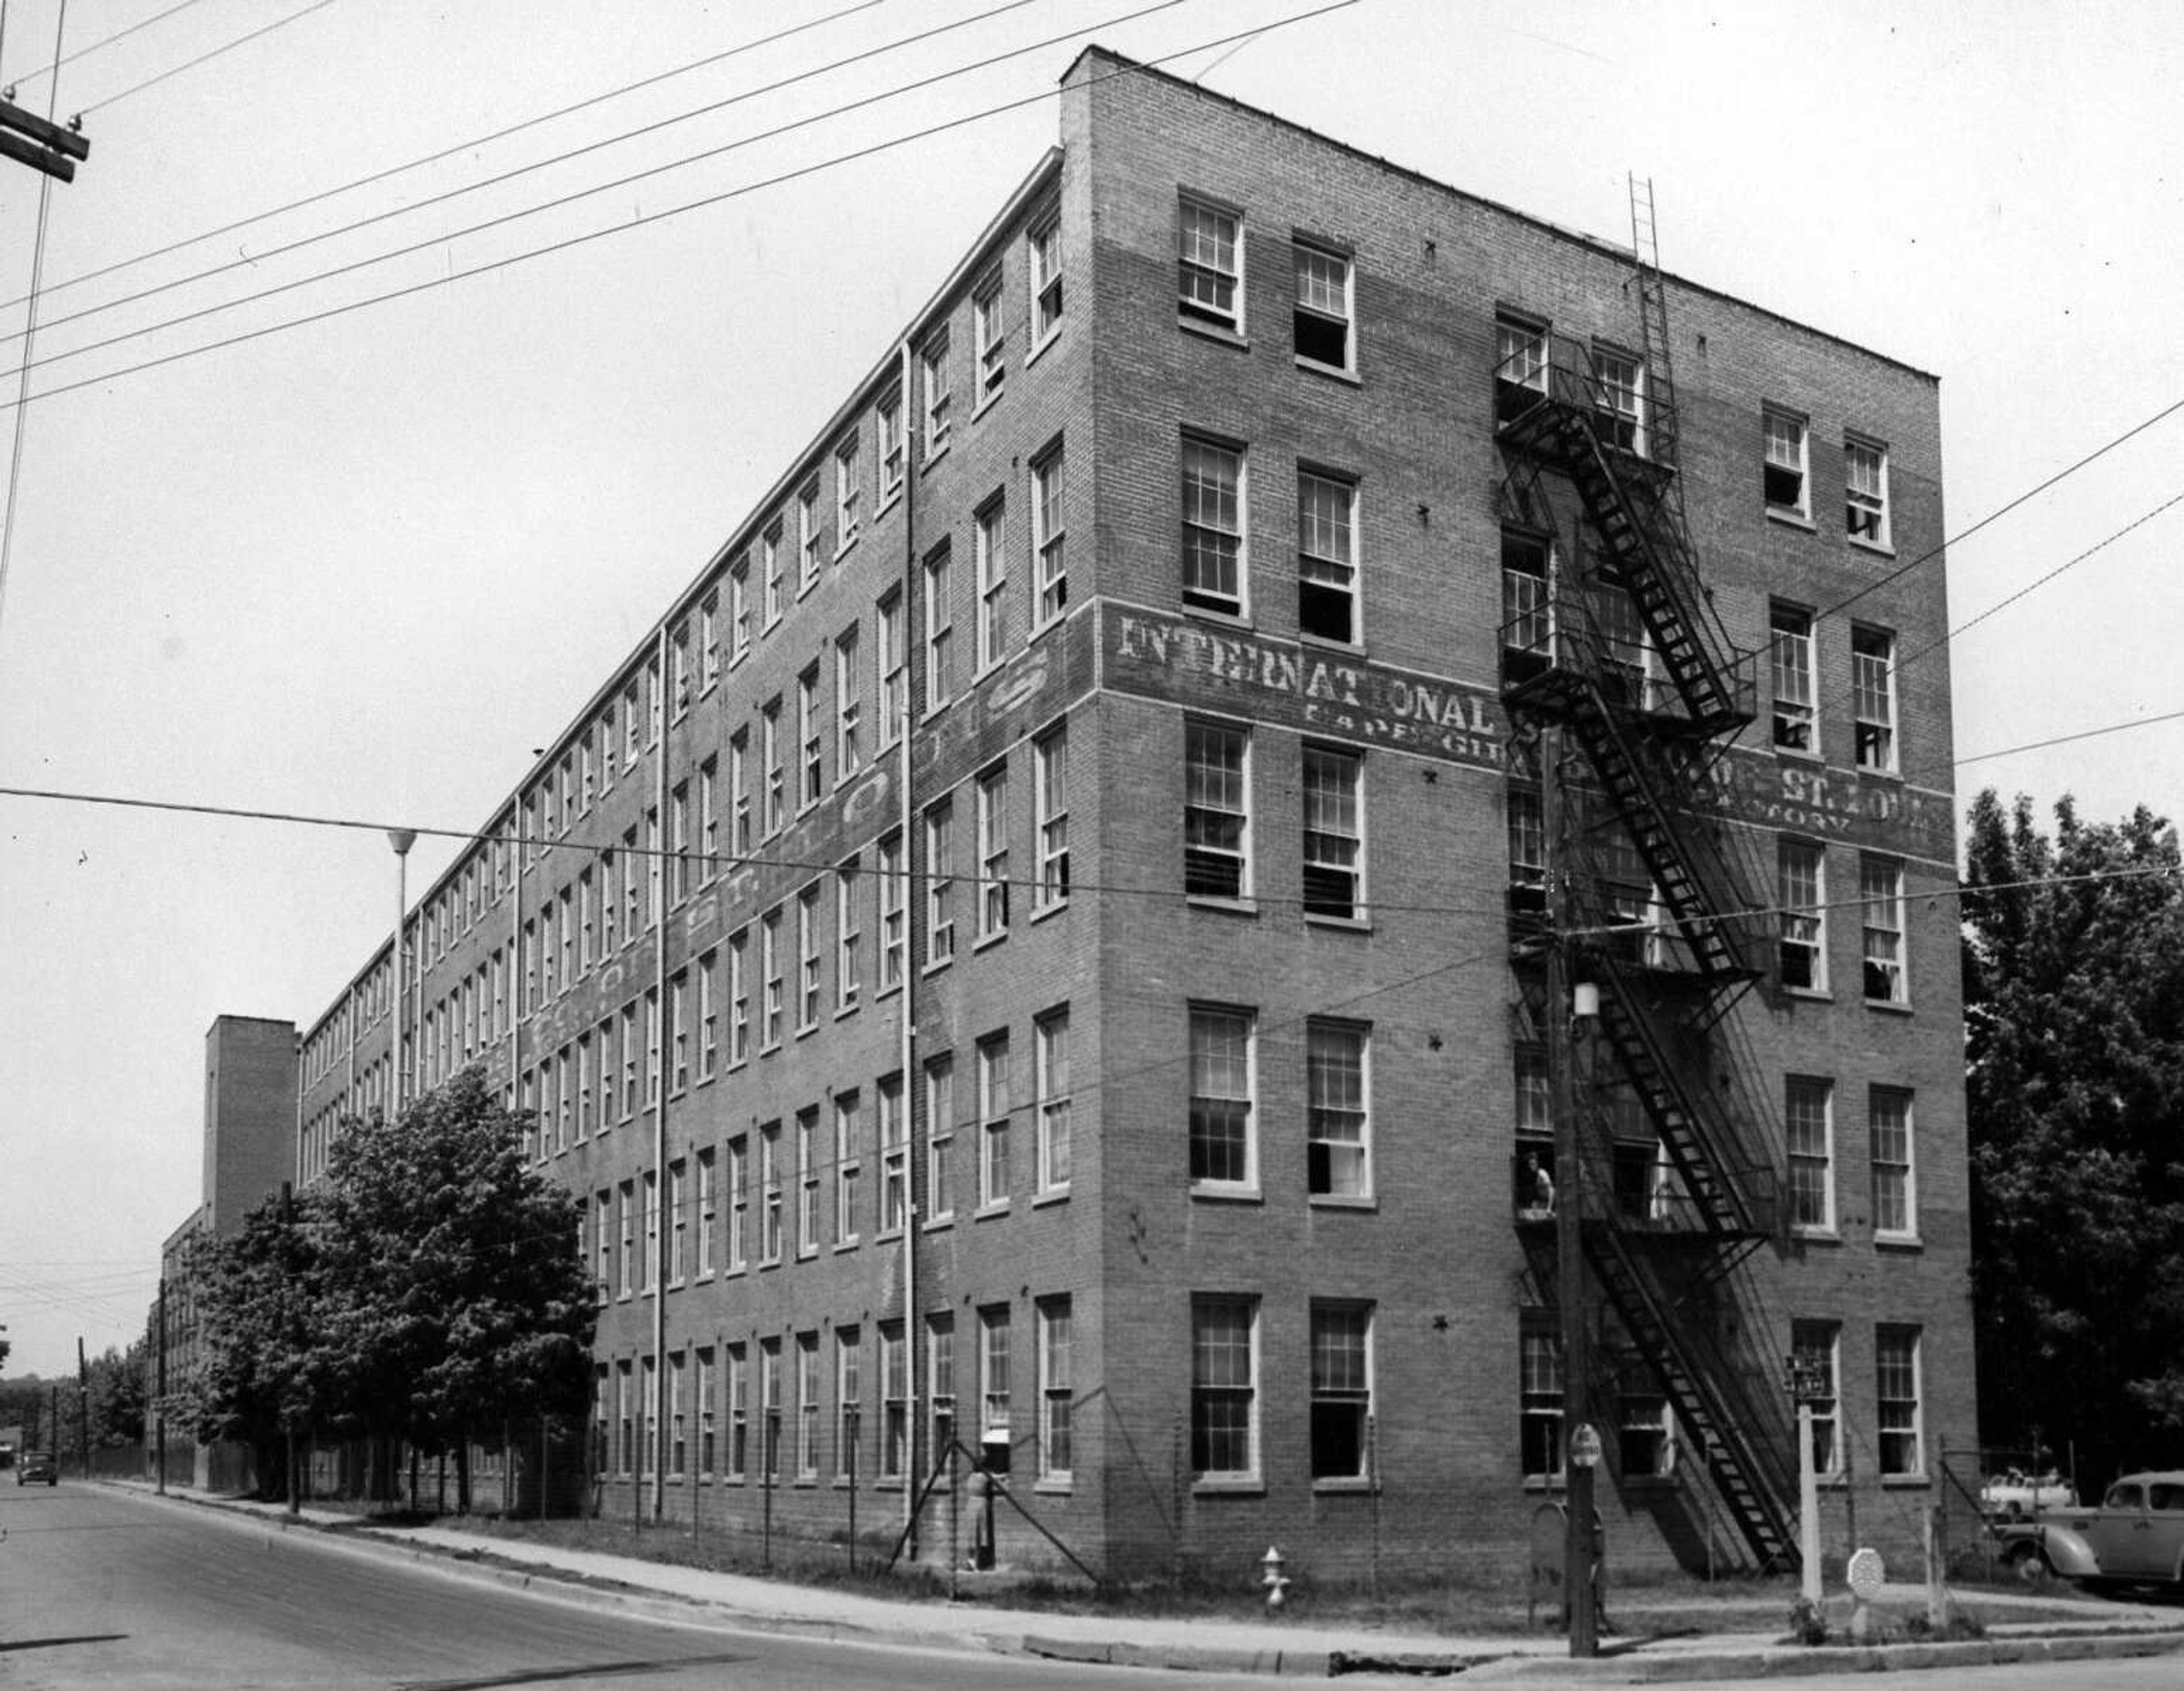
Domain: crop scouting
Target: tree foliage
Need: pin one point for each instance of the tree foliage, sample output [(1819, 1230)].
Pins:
[(2074, 999), (429, 1290)]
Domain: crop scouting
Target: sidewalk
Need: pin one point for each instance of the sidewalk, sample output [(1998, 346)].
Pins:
[(2108, 1628)]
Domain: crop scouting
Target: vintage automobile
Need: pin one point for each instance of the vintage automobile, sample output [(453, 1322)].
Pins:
[(2135, 1538), (2014, 1493), (35, 1469)]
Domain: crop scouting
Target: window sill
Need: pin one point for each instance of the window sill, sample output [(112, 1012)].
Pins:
[(1051, 1195), (1041, 344), (1044, 910), (1344, 924), (1054, 1485), (887, 991), (986, 1212), (847, 547), (1341, 1485), (1891, 1007), (1904, 1482), (991, 399), (933, 455), (1871, 772), (939, 1223), (1323, 1200), (987, 941), (1790, 519), (1909, 1243), (1237, 619), (841, 1245), (935, 966), (807, 1030), (848, 1009), (1334, 372), (1226, 1194), (1879, 549), (1543, 1482), (1816, 1235), (1216, 1486), (1220, 334), (1811, 995), (1225, 907), (1803, 754)]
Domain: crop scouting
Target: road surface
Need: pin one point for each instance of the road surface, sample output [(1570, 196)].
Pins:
[(108, 1589)]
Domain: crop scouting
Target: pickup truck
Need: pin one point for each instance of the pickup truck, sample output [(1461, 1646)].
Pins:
[(2136, 1536)]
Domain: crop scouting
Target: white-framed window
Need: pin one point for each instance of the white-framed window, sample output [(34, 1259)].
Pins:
[(1217, 815), (1051, 1081), (632, 1058), (807, 1406), (988, 336), (990, 567), (1801, 891), (652, 1046), (1043, 247), (678, 668), (708, 641), (739, 609), (1214, 553), (807, 537), (774, 798), (1327, 557), (679, 877), (894, 1156), (848, 935), (1809, 1130), (889, 413), (709, 1216), (1049, 562), (678, 1222), (940, 1377), (709, 1014), (769, 960), (1324, 314), (895, 906), (933, 370), (1334, 832), (1224, 1129), (1784, 478), (1899, 1414), (1049, 771), (1224, 1388), (808, 951), (737, 1367), (848, 1401), (769, 1407), (1647, 1428), (888, 665), (1797, 722), (940, 1137), (1895, 1169), (1539, 1401), (1865, 492), (1338, 1142), (993, 852), (708, 1414), (633, 719), (626, 1259), (848, 707), (807, 1182), (1527, 850), (811, 779), (1341, 1391), (1520, 364), (994, 1106), (1619, 400), (848, 1166), (1873, 696), (737, 1248), (740, 997), (1209, 263), (709, 822), (1057, 1392), (848, 486), (769, 553), (602, 1230), (1818, 1345), (994, 1383), (939, 882), (769, 1192), (1881, 886), (678, 1031), (939, 627)]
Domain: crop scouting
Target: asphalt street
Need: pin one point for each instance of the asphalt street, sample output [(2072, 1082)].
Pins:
[(101, 1588)]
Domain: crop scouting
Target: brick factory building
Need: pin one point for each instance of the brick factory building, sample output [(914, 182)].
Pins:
[(1045, 940)]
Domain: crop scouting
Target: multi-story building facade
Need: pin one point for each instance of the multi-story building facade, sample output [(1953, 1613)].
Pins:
[(1040, 942)]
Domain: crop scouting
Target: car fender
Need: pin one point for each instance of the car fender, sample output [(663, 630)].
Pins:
[(2067, 1553)]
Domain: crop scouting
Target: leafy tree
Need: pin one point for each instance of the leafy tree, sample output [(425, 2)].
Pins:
[(118, 1396), (2074, 996)]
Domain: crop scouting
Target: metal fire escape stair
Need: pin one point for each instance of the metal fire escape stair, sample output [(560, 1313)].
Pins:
[(1754, 1475)]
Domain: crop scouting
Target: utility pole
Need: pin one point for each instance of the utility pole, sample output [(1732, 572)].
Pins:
[(160, 1408), (43, 145), (83, 1406), (1580, 1441)]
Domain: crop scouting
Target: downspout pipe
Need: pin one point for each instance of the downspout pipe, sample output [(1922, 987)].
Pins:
[(908, 1032)]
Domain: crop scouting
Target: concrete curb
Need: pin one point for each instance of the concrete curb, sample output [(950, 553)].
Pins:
[(1801, 1663)]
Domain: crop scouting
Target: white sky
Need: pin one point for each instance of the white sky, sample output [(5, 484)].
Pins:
[(360, 569)]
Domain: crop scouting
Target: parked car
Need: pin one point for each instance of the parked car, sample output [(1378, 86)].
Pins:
[(2014, 1493), (2135, 1538), (34, 1467)]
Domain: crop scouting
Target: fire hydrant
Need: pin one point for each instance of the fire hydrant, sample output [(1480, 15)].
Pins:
[(1275, 1581)]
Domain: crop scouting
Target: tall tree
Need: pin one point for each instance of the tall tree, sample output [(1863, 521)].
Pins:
[(2074, 996)]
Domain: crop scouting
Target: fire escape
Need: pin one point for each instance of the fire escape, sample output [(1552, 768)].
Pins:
[(1609, 632)]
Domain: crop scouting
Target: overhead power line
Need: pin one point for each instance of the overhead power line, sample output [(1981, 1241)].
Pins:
[(649, 218), (105, 42), (207, 58), (474, 142), (562, 200)]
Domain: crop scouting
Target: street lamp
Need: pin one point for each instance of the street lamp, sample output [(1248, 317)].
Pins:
[(401, 838), (1808, 1378)]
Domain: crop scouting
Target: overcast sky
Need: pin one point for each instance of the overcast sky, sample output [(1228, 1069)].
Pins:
[(358, 568)]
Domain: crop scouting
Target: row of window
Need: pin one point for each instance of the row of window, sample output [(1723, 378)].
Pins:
[(1211, 290), (763, 1410), (1873, 689), (1802, 901)]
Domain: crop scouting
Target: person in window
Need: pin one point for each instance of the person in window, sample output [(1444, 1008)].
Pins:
[(1535, 1188)]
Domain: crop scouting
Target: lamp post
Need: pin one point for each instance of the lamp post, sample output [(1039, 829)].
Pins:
[(401, 838), (1805, 1376)]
